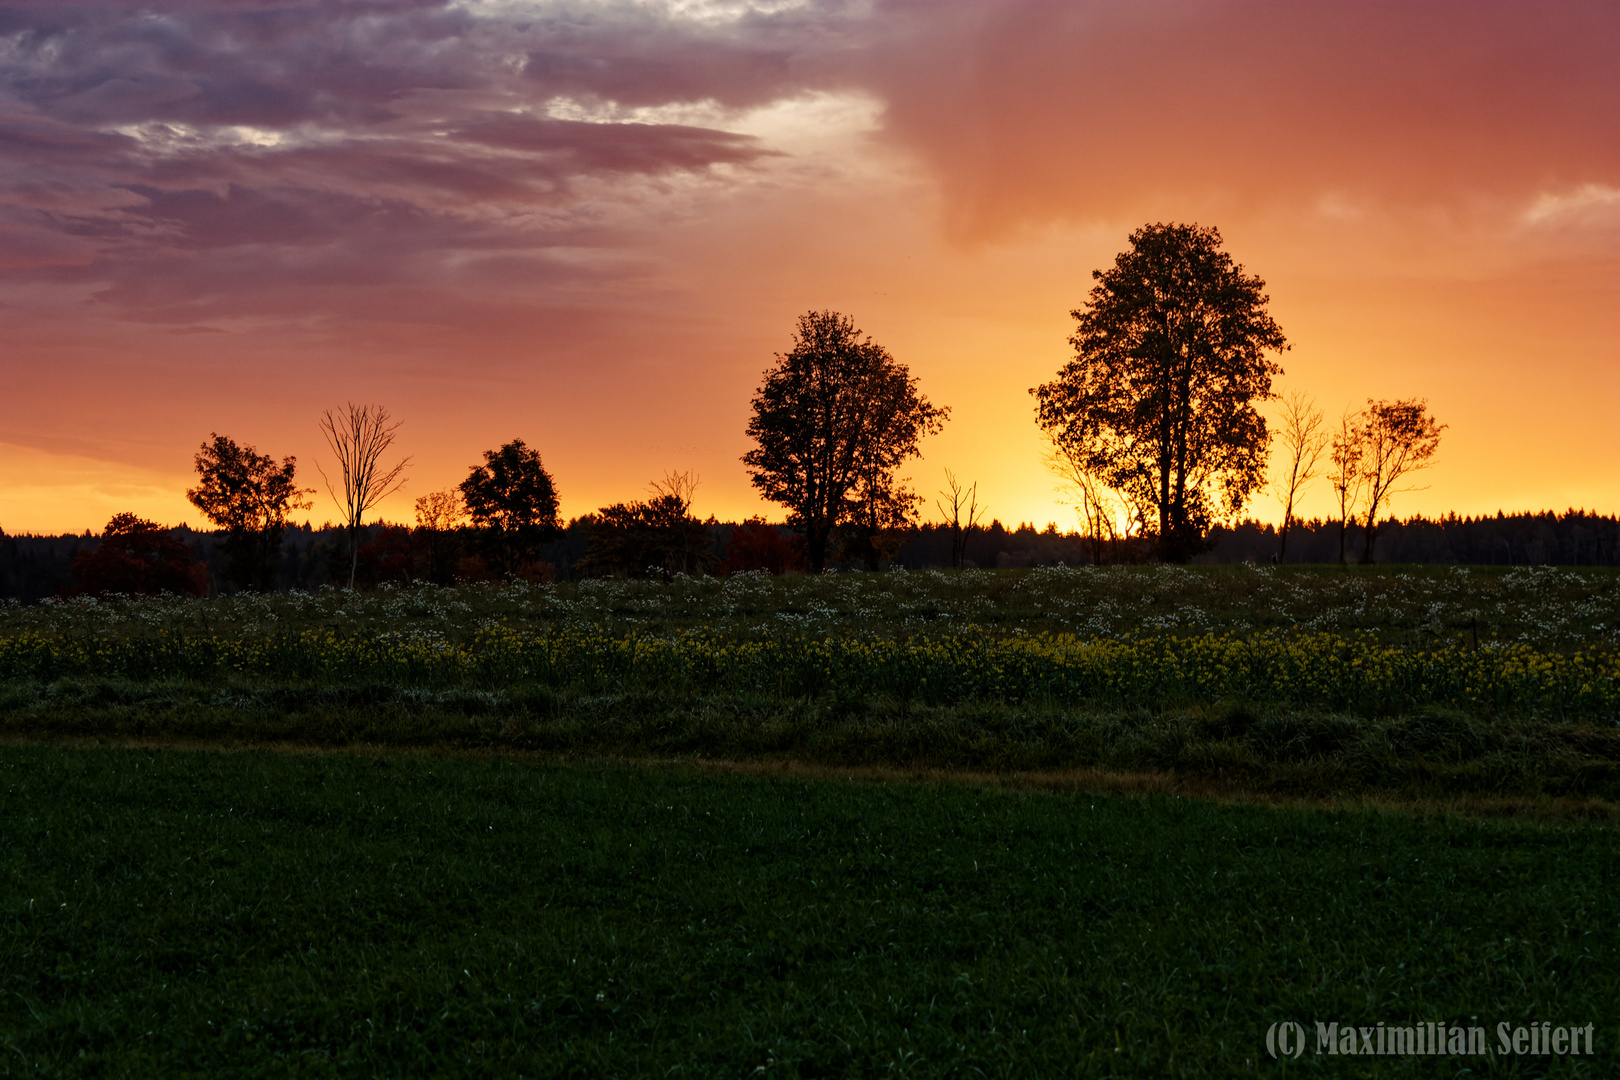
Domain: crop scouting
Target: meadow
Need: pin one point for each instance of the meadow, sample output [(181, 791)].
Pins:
[(1417, 683), (270, 914)]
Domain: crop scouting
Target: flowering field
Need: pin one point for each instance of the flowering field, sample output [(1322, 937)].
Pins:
[(1344, 673), (1553, 609), (1450, 682)]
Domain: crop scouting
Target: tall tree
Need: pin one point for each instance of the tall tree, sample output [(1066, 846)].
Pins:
[(833, 420), (1159, 401), (1398, 438), (358, 436), (512, 500), (1299, 429), (249, 495)]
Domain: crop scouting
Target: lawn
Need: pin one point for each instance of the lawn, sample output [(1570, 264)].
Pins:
[(171, 913)]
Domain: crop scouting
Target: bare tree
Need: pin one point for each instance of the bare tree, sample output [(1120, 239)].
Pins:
[(1398, 438), (358, 436), (681, 486), (1111, 518), (961, 500), (1300, 431), (1347, 474)]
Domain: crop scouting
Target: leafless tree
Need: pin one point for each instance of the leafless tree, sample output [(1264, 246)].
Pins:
[(358, 436), (1299, 429), (1398, 438), (962, 500), (1109, 516), (1347, 474), (677, 485)]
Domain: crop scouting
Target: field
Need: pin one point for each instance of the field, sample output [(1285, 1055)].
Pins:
[(258, 914), (1417, 685), (919, 824)]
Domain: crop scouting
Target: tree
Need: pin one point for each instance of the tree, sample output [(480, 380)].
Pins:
[(358, 436), (1300, 431), (140, 558), (961, 500), (1347, 475), (1159, 401), (1398, 438), (657, 537), (756, 544), (512, 500), (833, 420), (249, 496), (1112, 521), (438, 515)]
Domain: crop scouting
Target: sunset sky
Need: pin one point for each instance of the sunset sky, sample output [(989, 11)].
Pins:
[(591, 224)]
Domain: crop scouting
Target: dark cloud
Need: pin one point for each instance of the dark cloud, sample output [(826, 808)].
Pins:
[(194, 133)]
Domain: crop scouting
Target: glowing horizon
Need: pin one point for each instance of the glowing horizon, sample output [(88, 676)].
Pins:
[(591, 225)]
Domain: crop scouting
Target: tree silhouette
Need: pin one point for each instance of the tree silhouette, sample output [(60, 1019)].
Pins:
[(140, 558), (1159, 401), (438, 515), (756, 544), (1299, 429), (962, 500), (248, 495), (1347, 475), (656, 537), (833, 420), (512, 500), (1397, 438), (358, 436)]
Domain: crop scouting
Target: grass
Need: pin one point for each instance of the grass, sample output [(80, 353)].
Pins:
[(256, 914)]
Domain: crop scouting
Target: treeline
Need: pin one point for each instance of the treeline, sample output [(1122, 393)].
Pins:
[(35, 567)]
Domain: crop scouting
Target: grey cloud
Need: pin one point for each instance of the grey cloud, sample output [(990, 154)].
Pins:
[(212, 147)]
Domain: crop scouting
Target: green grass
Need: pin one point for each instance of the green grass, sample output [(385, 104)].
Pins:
[(254, 914)]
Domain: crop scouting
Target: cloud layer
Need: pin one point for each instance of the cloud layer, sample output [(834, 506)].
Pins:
[(629, 200)]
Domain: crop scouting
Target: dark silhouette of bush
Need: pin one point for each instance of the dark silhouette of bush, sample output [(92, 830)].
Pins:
[(758, 545), (653, 538), (139, 558)]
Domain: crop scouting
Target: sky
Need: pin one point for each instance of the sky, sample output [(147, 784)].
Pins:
[(592, 225)]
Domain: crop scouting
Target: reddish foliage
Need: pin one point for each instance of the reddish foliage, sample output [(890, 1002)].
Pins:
[(758, 545), (139, 558), (389, 556)]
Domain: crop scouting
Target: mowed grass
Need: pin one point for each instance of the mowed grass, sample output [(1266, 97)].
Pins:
[(165, 913)]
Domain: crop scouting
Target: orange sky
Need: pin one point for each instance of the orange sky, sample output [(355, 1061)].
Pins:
[(590, 225)]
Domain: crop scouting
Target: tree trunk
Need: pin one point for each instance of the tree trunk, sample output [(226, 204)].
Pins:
[(815, 549)]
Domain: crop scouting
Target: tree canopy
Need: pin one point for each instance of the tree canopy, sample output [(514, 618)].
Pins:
[(1159, 400), (249, 495), (513, 500), (833, 421), (137, 557)]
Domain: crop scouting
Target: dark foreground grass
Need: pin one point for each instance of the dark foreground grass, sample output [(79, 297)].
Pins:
[(256, 914)]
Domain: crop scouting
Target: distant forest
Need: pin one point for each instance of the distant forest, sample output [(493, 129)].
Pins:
[(35, 567)]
